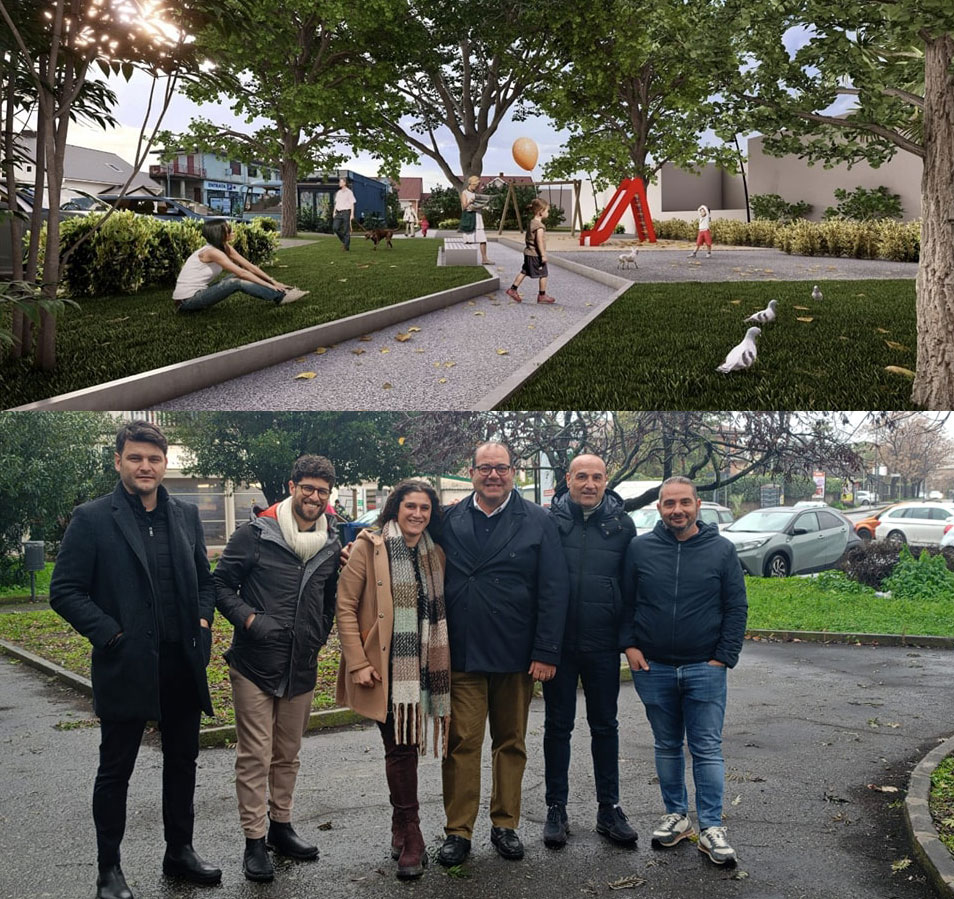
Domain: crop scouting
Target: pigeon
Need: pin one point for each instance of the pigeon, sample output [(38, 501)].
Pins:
[(764, 316), (816, 293), (742, 355), (627, 259)]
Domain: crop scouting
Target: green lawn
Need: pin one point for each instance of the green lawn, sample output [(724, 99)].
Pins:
[(942, 801), (116, 336), (21, 591), (658, 346)]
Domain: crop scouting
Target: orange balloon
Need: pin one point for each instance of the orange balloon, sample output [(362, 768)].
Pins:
[(525, 153)]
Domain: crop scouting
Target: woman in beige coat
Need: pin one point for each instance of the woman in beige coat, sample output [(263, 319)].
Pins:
[(395, 658)]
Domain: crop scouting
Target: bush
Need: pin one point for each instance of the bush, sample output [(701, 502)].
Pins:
[(443, 203), (927, 577), (899, 242), (449, 224), (771, 207), (257, 244), (863, 205), (838, 582), (265, 222), (674, 229), (314, 220), (870, 563), (857, 240)]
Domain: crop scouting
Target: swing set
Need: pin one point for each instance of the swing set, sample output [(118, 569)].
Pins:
[(576, 223)]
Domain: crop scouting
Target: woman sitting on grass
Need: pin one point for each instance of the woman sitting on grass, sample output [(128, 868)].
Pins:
[(195, 288)]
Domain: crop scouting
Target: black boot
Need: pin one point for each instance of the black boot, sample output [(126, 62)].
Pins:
[(110, 884), (185, 863), (256, 865), (283, 839)]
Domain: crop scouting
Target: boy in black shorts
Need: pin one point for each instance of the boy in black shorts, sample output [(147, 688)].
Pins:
[(534, 254)]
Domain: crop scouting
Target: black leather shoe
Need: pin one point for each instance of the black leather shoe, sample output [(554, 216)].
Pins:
[(507, 843), (184, 862), (454, 850), (256, 865), (283, 839), (612, 823), (110, 884)]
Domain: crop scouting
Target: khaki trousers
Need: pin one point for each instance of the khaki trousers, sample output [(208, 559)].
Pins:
[(504, 701), (268, 734)]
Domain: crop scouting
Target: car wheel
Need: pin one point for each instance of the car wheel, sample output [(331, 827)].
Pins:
[(865, 535), (777, 566), (897, 538)]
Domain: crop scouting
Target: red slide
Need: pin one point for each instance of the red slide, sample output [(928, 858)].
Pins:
[(630, 194)]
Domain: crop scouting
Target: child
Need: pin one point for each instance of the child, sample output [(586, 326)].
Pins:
[(534, 253), (705, 235), (424, 225)]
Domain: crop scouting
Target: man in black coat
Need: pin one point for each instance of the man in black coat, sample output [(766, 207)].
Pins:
[(506, 590), (595, 531), (132, 576)]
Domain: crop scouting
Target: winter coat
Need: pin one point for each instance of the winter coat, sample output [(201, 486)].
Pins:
[(102, 586), (293, 602), (690, 603), (507, 600), (595, 549), (366, 624)]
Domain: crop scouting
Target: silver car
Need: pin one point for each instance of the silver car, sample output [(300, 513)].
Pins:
[(782, 540), (921, 523)]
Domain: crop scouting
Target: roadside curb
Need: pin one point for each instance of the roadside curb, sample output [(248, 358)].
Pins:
[(926, 641), (149, 388), (931, 852)]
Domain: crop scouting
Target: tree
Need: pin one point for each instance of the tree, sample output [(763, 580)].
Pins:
[(894, 61), (260, 447), (635, 84), (912, 446), (303, 70), (49, 463)]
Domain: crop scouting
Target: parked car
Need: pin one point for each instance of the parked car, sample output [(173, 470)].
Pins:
[(781, 540), (84, 204), (645, 519), (810, 504), (947, 540), (349, 529), (170, 209), (921, 523), (865, 528), (865, 497)]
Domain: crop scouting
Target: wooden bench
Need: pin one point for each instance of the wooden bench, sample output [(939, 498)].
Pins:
[(457, 252)]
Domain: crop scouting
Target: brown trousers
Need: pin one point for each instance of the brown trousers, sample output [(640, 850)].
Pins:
[(268, 734), (504, 701)]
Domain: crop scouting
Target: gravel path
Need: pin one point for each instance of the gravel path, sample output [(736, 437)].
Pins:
[(458, 355)]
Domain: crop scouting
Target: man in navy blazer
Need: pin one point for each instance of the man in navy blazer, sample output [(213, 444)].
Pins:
[(132, 576), (507, 590)]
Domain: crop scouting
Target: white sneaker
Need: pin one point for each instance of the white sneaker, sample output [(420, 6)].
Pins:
[(671, 829), (713, 843), (691, 256), (292, 295)]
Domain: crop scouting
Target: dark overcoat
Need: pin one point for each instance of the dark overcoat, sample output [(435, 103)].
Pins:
[(507, 599), (102, 586)]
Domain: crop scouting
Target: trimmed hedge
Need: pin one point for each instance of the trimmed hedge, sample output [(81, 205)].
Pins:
[(130, 252)]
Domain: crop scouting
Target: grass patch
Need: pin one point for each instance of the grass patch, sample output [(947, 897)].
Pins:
[(116, 336), (658, 345), (941, 801), (800, 604), (22, 591), (49, 636)]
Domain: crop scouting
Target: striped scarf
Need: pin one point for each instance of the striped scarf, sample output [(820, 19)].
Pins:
[(420, 651)]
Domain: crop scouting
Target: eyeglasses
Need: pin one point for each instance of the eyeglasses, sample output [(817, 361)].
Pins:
[(308, 490), (484, 470)]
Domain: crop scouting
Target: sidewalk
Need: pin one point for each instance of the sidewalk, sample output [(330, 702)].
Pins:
[(809, 727)]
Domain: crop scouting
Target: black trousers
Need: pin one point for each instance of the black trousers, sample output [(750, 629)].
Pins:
[(119, 746)]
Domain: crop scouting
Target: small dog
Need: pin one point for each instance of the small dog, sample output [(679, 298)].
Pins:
[(379, 234), (629, 259)]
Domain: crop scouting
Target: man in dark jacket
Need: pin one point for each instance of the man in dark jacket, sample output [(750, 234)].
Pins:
[(687, 630), (132, 576), (506, 590), (276, 583), (595, 531)]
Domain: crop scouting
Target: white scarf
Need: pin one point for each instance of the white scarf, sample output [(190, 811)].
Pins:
[(304, 544)]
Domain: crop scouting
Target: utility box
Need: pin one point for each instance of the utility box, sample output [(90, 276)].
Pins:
[(34, 558)]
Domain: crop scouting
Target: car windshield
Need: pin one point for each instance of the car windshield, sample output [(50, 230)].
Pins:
[(644, 518), (710, 515), (761, 521), (200, 208)]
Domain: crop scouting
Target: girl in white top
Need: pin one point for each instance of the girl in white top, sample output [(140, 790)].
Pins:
[(705, 235), (478, 235), (194, 288)]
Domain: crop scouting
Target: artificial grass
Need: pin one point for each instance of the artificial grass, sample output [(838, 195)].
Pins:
[(658, 345), (116, 336)]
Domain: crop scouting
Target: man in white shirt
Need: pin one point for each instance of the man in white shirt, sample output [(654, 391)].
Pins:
[(344, 213)]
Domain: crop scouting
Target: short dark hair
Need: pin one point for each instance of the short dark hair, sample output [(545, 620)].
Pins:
[(679, 479), (309, 466), (216, 232), (396, 497), (141, 431), (510, 455)]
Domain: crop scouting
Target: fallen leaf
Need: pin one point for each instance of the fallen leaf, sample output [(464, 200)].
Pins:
[(735, 302), (503, 352), (900, 865), (627, 883), (365, 338), (740, 875), (880, 789), (442, 380), (842, 337), (321, 351), (437, 365), (804, 318), (479, 312), (366, 265), (402, 338), (413, 329), (419, 351), (471, 303), (113, 321), (384, 350), (801, 308), (894, 345), (387, 385), (301, 359), (306, 375), (882, 330), (325, 826), (859, 294), (897, 370), (392, 266), (342, 280), (737, 800), (449, 364), (358, 352)]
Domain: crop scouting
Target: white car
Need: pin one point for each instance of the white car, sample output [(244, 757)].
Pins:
[(948, 538), (920, 523), (645, 519)]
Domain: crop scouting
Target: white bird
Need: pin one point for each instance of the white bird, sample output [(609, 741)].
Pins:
[(764, 316), (816, 293), (742, 355), (627, 259)]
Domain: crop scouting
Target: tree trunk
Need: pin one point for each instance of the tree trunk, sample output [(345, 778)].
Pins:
[(289, 167), (16, 226), (934, 382)]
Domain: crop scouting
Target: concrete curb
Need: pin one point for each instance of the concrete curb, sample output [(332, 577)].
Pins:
[(877, 639), (150, 388), (503, 390), (934, 856)]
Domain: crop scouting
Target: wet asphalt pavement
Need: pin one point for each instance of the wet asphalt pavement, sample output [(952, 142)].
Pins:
[(809, 727)]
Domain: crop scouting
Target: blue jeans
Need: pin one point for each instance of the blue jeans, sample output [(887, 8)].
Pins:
[(599, 672), (687, 703), (228, 285), (341, 225)]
